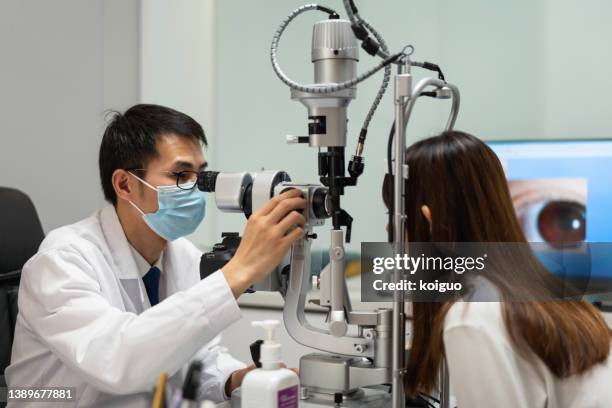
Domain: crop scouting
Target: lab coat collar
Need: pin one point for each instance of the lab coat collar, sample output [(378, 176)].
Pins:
[(118, 244), (180, 267), (177, 271)]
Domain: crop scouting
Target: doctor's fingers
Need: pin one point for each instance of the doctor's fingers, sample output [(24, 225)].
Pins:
[(274, 201), (291, 237), (284, 207), (292, 219)]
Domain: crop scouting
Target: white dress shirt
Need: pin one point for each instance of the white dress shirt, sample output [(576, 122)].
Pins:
[(487, 370), (144, 266)]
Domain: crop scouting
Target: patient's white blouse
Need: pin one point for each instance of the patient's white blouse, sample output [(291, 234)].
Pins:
[(487, 370)]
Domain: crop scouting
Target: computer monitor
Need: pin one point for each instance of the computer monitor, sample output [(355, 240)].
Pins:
[(562, 193)]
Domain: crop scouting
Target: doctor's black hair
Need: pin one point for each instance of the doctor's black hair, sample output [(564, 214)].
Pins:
[(129, 140)]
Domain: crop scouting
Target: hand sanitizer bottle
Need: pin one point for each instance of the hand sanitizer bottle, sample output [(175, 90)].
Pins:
[(270, 386)]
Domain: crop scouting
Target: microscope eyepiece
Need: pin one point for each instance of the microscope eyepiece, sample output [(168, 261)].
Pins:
[(207, 181), (321, 206)]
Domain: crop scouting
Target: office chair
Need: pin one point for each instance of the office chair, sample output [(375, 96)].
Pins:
[(20, 236)]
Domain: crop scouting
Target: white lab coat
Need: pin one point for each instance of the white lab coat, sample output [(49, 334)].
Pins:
[(85, 320)]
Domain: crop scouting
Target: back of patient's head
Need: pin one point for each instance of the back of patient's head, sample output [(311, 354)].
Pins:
[(462, 182), (130, 139)]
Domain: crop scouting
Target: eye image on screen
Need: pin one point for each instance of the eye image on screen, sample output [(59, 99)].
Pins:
[(562, 194), (551, 210)]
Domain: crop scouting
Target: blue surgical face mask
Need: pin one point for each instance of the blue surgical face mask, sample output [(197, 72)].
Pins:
[(179, 211)]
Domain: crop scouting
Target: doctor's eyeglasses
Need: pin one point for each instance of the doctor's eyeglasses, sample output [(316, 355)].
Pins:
[(185, 180)]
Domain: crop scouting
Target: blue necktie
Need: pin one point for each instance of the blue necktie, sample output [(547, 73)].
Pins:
[(151, 282)]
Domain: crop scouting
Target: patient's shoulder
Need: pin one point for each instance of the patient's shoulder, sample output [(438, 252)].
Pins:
[(477, 315)]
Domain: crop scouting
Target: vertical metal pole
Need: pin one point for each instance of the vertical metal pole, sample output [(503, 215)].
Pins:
[(403, 89), (337, 320)]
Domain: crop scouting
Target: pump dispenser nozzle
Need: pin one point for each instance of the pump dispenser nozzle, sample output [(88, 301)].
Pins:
[(269, 326)]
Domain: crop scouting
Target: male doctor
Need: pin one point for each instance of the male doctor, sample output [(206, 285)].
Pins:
[(110, 302)]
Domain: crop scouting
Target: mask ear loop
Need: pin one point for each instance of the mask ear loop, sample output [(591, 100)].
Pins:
[(146, 184), (136, 207)]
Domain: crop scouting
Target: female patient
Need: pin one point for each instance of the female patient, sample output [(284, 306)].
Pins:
[(499, 354)]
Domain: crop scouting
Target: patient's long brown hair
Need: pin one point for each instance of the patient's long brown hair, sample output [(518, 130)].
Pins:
[(462, 182)]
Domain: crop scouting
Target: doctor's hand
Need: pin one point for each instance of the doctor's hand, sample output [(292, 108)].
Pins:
[(235, 380), (267, 237)]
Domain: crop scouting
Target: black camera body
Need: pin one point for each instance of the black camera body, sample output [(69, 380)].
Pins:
[(221, 254)]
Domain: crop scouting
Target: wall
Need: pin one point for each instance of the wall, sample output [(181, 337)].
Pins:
[(63, 63), (521, 68), (178, 70), (526, 70)]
